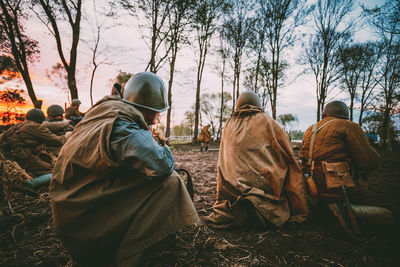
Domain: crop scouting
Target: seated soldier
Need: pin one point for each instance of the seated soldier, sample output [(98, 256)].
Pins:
[(118, 194), (55, 120), (204, 138), (258, 178), (333, 149), (73, 113), (26, 144)]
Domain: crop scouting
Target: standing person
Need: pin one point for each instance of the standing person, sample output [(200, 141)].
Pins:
[(26, 144), (258, 178), (118, 194), (116, 90), (204, 138)]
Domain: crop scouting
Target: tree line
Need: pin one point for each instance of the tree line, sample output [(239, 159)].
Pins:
[(253, 41)]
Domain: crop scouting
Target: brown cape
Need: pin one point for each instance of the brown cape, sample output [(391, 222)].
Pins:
[(256, 163), (101, 210), (204, 136)]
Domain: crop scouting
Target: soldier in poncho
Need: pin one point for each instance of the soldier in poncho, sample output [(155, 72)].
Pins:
[(114, 190), (257, 175), (204, 138)]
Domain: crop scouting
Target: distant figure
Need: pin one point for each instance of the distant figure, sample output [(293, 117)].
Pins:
[(258, 178), (116, 90), (73, 113), (114, 191), (204, 138), (26, 144)]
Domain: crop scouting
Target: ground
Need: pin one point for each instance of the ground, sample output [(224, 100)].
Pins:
[(27, 236)]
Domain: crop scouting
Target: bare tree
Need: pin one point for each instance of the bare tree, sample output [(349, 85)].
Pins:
[(58, 76), (98, 26), (257, 50), (224, 53), (205, 23), (14, 42), (350, 69), (178, 21), (56, 12), (152, 16), (209, 107), (236, 31), (280, 19), (322, 53), (369, 61), (357, 63), (385, 21)]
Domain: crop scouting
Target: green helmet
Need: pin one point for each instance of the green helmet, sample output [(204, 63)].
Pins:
[(146, 90), (55, 111), (35, 115), (248, 98), (336, 108), (75, 102)]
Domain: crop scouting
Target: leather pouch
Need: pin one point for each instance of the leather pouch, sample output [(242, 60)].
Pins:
[(337, 174)]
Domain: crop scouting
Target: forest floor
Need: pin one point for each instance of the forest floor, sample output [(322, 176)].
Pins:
[(27, 236)]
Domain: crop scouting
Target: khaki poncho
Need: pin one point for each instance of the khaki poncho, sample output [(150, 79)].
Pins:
[(256, 163), (102, 210)]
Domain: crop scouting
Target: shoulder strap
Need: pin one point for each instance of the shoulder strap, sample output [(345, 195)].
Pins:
[(314, 133)]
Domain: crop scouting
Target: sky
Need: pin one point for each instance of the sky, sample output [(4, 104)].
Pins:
[(127, 51)]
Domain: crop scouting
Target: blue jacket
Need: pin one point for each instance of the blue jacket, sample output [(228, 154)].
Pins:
[(134, 148)]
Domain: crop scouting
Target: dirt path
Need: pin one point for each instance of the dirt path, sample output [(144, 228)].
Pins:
[(27, 237)]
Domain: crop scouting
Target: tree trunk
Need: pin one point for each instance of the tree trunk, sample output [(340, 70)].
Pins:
[(19, 53), (197, 109), (222, 101), (170, 82), (36, 103), (361, 115), (351, 107), (72, 84), (318, 110), (233, 92), (91, 84), (386, 129), (274, 105)]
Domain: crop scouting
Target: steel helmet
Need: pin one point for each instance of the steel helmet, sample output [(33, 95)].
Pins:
[(146, 90), (336, 108), (35, 115), (248, 98), (75, 102), (55, 111)]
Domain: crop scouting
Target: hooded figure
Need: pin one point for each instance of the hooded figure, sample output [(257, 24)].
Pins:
[(257, 176), (204, 138), (114, 190)]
